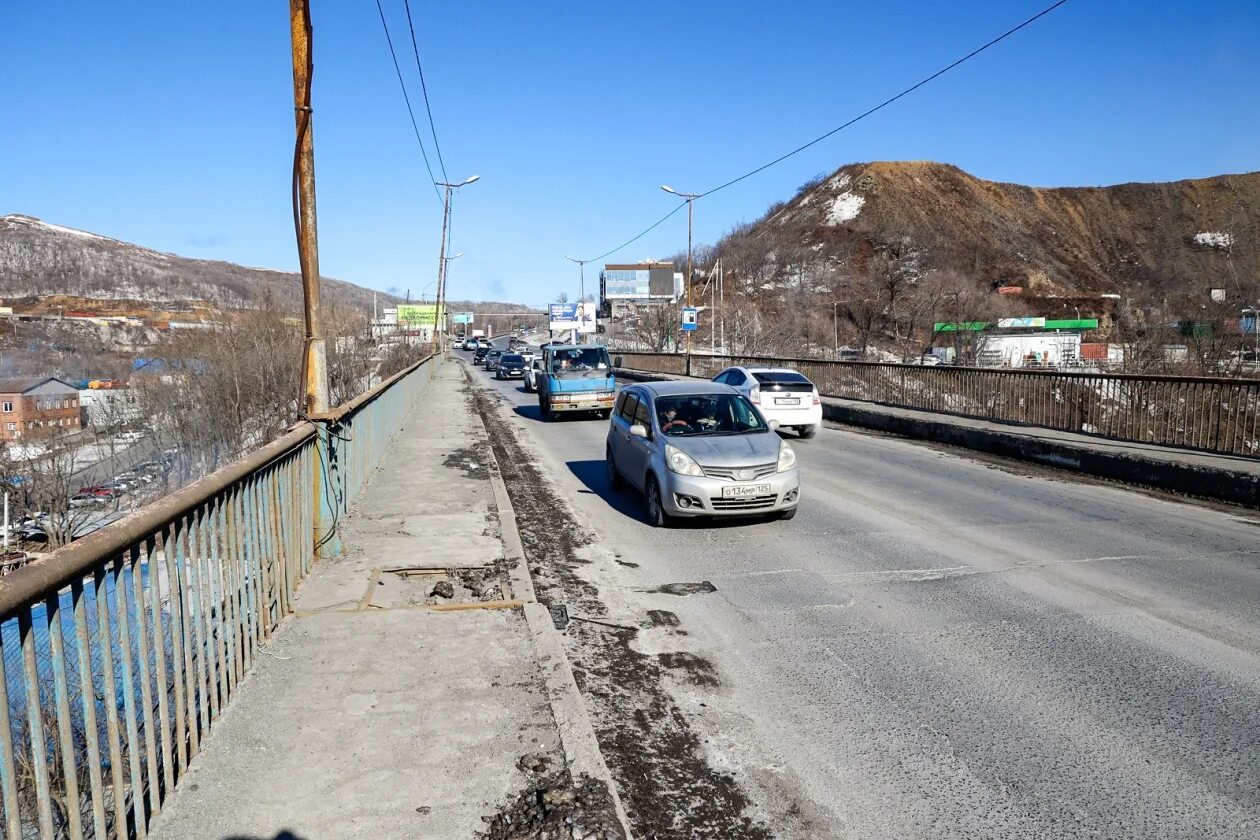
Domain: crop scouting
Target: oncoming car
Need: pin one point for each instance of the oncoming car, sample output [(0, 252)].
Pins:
[(699, 449), (784, 396)]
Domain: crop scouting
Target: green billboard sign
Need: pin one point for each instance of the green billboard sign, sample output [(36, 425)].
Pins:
[(417, 314)]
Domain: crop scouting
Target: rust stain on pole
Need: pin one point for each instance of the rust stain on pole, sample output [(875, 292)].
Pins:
[(316, 371)]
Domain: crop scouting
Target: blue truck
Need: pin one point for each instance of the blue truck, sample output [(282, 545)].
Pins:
[(575, 378)]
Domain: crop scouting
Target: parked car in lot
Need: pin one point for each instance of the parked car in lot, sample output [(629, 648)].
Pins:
[(511, 365), (491, 360), (784, 397), (699, 449)]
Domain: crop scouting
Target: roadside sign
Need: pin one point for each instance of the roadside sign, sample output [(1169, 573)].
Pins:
[(689, 315), (417, 314), (463, 318), (563, 316)]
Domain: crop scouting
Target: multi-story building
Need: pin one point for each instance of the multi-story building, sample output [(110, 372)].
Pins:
[(624, 290), (37, 406)]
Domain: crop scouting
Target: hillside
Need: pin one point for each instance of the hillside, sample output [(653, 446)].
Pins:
[(39, 259), (1192, 235)]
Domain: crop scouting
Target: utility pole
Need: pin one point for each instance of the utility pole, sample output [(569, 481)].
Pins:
[(440, 295), (690, 199), (316, 360), (581, 296)]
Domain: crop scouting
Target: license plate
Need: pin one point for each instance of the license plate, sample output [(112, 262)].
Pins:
[(740, 491), (787, 401)]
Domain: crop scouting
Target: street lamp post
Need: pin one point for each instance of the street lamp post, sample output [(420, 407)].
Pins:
[(689, 198), (581, 293), (442, 261)]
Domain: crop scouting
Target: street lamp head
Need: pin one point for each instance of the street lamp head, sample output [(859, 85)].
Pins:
[(470, 180), (669, 189), (457, 256)]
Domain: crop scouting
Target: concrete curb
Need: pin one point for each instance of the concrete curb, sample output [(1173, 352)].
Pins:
[(1133, 467), (1218, 483), (573, 720)]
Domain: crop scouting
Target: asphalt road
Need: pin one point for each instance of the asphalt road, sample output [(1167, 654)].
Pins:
[(942, 647)]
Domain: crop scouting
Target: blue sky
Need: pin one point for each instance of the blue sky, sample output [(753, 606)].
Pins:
[(170, 124)]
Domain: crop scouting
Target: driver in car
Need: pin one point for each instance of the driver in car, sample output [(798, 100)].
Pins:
[(670, 420)]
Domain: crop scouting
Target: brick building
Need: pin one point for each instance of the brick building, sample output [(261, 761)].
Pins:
[(37, 406)]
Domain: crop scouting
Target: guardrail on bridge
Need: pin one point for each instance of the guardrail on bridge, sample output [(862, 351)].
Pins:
[(122, 650), (1217, 414)]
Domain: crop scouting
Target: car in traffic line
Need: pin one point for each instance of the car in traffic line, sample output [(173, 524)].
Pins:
[(479, 355), (784, 396), (532, 371), (510, 365), (491, 360), (699, 449)]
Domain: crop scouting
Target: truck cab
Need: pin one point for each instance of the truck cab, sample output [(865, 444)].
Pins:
[(575, 378)]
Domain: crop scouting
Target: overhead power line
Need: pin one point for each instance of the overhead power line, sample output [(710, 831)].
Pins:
[(1008, 33), (411, 113), (425, 90), (639, 236)]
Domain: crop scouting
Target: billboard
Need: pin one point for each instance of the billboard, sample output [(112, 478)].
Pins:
[(572, 316), (562, 316), (413, 315), (462, 317)]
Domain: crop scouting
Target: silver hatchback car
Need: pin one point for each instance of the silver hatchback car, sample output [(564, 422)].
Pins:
[(699, 449)]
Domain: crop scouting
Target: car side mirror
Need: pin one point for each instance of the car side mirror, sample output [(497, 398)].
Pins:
[(774, 424), (617, 361), (639, 430)]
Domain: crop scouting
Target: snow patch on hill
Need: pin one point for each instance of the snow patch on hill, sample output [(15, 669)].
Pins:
[(1215, 239), (845, 208)]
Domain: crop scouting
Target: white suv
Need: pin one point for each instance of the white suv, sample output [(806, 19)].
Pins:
[(784, 396)]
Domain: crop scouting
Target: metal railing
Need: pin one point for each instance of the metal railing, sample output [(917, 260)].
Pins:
[(1217, 414), (122, 650)]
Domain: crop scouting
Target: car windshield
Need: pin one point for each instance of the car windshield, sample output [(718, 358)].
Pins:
[(513, 357), (579, 359), (695, 415)]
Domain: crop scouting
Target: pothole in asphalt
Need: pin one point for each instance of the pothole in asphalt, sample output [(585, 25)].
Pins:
[(410, 586), (704, 587), (554, 806), (472, 461)]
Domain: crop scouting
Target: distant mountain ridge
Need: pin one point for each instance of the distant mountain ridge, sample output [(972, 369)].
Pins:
[(1190, 235), (38, 258)]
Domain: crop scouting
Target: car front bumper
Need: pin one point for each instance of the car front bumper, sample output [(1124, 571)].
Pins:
[(704, 495), (583, 402)]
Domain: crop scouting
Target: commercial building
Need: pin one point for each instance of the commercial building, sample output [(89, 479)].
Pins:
[(36, 407), (624, 289)]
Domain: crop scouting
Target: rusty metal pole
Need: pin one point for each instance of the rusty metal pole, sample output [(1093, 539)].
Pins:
[(316, 372), (327, 476)]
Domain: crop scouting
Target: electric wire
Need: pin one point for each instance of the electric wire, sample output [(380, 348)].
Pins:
[(406, 98), (1008, 33), (425, 90)]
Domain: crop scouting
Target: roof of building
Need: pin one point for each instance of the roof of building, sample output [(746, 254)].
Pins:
[(22, 384)]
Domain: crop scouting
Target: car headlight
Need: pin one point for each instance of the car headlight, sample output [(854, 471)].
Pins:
[(787, 457), (680, 462)]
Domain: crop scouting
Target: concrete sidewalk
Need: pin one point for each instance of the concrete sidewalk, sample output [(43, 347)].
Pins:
[(372, 714)]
